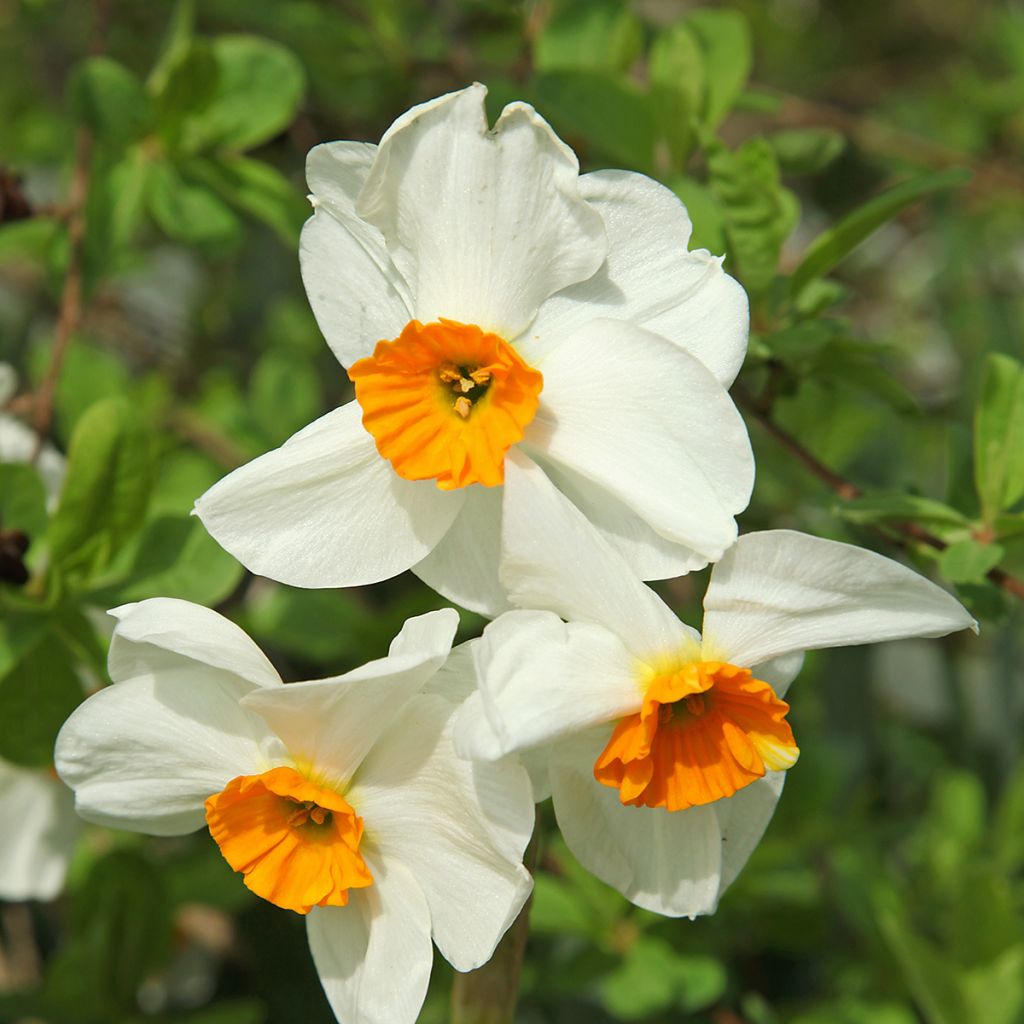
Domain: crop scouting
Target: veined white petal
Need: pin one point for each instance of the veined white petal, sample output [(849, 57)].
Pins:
[(650, 280), (330, 724), (552, 558), (165, 633), (439, 816), (483, 224), (541, 679), (780, 591), (649, 555), (325, 510), (357, 294), (780, 672), (463, 567), (145, 753), (742, 818), (374, 955), (38, 836), (667, 862), (630, 411)]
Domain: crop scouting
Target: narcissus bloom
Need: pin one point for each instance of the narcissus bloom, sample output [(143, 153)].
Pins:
[(340, 799), (667, 748), (486, 298), (38, 830)]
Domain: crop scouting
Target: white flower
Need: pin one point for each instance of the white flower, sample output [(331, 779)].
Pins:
[(532, 309), (665, 748), (38, 830), (340, 798)]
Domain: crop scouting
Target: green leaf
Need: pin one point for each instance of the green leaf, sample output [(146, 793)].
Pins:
[(838, 241), (108, 98), (555, 910), (999, 436), (806, 150), (705, 214), (724, 37), (176, 42), (36, 696), (114, 210), (284, 394), (258, 189), (173, 556), (967, 561), (120, 932), (994, 992), (759, 213), (676, 72), (89, 375), (187, 87), (588, 35), (188, 211), (905, 508), (849, 363), (1008, 829), (22, 499), (610, 116), (654, 977), (110, 470), (259, 85)]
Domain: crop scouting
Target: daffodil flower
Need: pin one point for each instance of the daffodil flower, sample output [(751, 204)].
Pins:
[(340, 799), (486, 298), (38, 830), (665, 748)]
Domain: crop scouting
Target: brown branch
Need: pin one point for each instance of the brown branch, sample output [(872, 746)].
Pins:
[(876, 136), (908, 532), (70, 312)]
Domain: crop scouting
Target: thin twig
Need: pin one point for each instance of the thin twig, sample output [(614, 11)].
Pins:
[(70, 313), (876, 136), (908, 532)]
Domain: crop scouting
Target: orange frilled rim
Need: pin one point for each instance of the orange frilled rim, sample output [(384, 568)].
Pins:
[(703, 733), (296, 843), (445, 401)]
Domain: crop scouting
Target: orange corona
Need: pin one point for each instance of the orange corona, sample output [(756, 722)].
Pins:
[(704, 731), (296, 843), (445, 401)]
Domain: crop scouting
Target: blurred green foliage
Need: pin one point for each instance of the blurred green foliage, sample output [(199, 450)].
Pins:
[(858, 163)]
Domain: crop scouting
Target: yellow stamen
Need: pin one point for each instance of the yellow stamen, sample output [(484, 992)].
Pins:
[(296, 843), (445, 401), (704, 732)]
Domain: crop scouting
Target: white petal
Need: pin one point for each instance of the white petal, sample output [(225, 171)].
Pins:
[(459, 827), (649, 555), (553, 559), (463, 567), (780, 672), (164, 632), (145, 753), (38, 835), (743, 818), (357, 295), (374, 956), (325, 510), (483, 224), (18, 443), (330, 724), (633, 413), (780, 591), (667, 862), (650, 280), (541, 679)]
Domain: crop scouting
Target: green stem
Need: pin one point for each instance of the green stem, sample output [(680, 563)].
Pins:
[(489, 994)]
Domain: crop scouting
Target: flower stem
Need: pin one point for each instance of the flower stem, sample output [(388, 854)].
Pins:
[(489, 994)]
